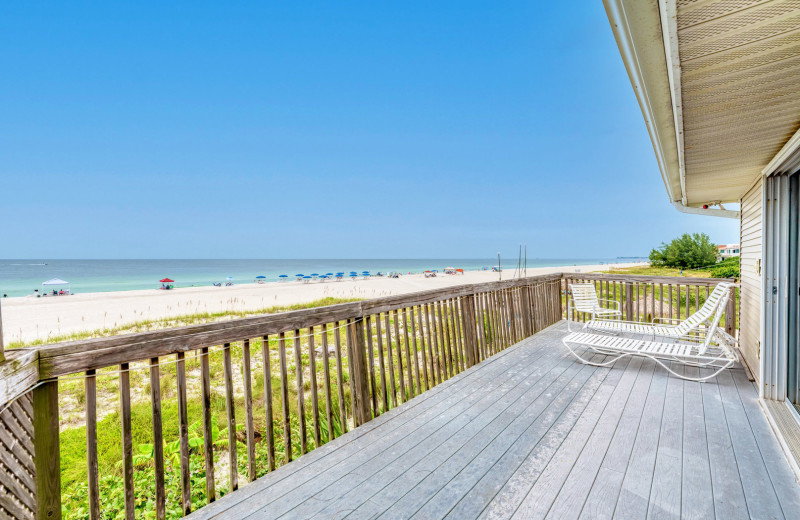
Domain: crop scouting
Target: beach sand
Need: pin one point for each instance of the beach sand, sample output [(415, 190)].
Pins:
[(29, 318)]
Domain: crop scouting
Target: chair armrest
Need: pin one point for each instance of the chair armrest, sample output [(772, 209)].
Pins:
[(615, 302)]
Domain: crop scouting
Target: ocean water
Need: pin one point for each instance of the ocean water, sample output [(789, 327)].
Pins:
[(21, 277)]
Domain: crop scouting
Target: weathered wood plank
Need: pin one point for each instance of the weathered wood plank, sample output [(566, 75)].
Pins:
[(340, 377), (729, 501), (697, 496), (326, 373), (248, 411), (93, 479), (287, 427), (208, 441), (312, 357), (301, 400), (665, 493), (230, 413), (183, 434), (158, 439), (46, 450), (127, 439)]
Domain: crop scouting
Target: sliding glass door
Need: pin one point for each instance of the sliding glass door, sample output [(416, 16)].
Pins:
[(793, 292)]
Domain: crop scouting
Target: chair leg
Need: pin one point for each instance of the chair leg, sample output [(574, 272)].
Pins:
[(664, 365), (594, 363)]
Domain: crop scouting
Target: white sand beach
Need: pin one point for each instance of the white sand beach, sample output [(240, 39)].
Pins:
[(29, 318)]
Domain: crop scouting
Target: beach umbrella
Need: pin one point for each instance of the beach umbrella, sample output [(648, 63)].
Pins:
[(328, 274), (299, 275), (283, 276), (314, 274), (167, 280), (229, 278), (306, 277), (260, 277)]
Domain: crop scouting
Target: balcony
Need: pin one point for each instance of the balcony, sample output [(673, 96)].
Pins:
[(459, 403)]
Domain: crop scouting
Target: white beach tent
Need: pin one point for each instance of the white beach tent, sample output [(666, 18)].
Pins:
[(54, 282)]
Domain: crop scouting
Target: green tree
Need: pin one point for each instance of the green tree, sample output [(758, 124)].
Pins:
[(688, 250)]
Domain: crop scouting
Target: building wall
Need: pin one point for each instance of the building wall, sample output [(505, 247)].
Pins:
[(750, 266)]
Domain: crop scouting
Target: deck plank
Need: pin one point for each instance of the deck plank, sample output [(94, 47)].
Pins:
[(665, 491), (544, 491), (602, 498), (727, 490), (634, 495), (696, 491), (283, 499), (573, 493), (442, 434), (471, 467), (531, 433), (758, 491), (781, 475)]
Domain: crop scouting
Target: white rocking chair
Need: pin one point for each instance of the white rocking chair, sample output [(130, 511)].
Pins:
[(584, 299), (707, 347)]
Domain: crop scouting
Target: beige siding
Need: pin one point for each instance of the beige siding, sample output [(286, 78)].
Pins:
[(750, 263)]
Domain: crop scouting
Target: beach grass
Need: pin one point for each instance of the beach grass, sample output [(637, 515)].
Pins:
[(175, 321)]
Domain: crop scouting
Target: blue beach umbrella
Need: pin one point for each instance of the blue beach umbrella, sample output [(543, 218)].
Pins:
[(314, 274), (283, 276), (328, 274), (306, 277), (260, 277), (299, 275)]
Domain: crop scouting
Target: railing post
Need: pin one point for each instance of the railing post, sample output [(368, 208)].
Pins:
[(356, 352), (46, 451), (628, 301), (527, 327), (730, 313), (470, 332)]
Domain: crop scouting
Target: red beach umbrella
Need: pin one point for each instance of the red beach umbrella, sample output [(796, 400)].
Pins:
[(166, 280)]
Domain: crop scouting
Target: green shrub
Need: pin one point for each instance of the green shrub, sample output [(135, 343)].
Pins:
[(725, 271), (687, 251)]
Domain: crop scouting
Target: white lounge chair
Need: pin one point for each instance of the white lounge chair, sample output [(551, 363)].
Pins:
[(584, 299), (666, 327), (710, 347)]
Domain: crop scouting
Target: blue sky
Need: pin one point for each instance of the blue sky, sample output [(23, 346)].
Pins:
[(324, 130)]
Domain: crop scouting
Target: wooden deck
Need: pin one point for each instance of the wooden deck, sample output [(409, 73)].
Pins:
[(530, 433)]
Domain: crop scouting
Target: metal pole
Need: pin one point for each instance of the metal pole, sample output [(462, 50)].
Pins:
[(499, 266)]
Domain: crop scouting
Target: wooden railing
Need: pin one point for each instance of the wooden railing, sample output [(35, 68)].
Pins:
[(286, 384)]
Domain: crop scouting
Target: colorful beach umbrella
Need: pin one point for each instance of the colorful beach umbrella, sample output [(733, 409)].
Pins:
[(167, 280)]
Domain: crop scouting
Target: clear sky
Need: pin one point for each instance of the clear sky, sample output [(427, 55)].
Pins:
[(344, 129)]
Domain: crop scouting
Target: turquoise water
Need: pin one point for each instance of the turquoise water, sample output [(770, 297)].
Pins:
[(21, 277)]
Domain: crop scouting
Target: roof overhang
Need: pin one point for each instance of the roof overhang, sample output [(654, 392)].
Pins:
[(718, 82)]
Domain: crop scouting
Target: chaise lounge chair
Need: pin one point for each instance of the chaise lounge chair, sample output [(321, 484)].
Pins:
[(666, 327), (705, 345)]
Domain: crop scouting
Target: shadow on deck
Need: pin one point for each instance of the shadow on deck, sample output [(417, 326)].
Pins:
[(531, 433)]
